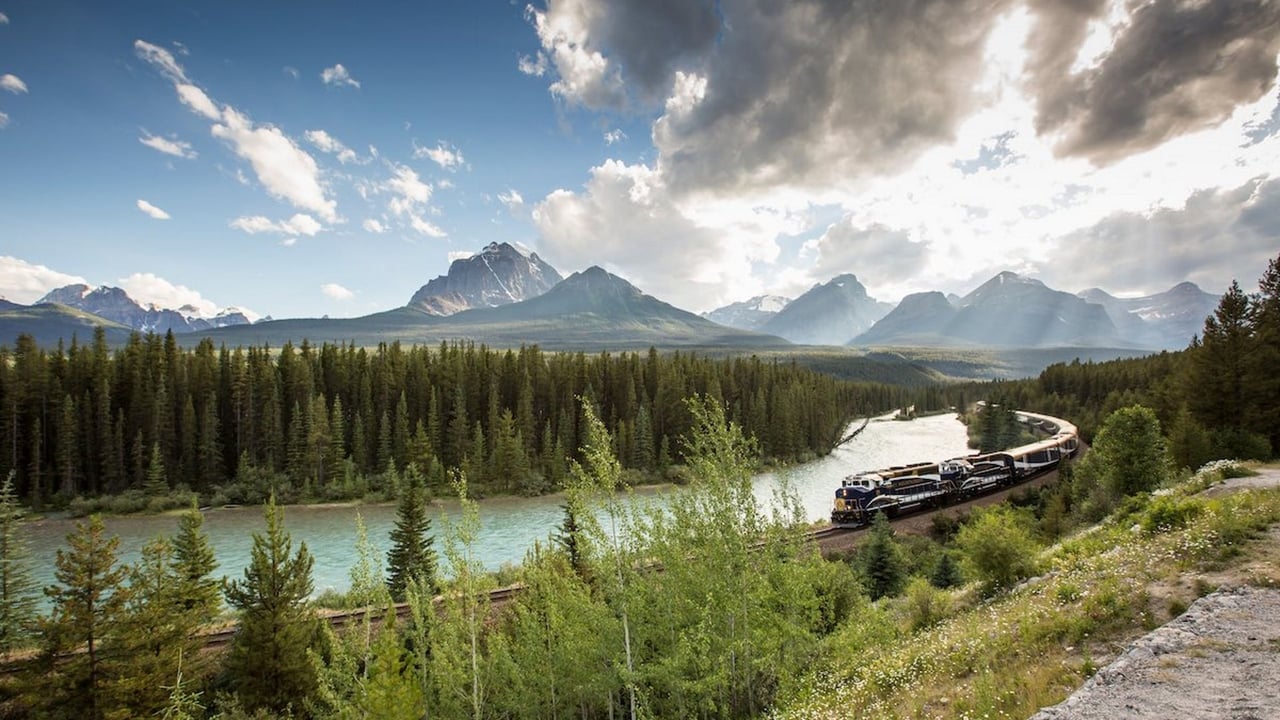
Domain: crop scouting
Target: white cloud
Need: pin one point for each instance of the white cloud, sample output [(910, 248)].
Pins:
[(291, 72), (150, 289), (176, 148), (4, 19), (535, 66), (162, 59), (299, 224), (586, 77), (196, 99), (425, 227), (12, 83), (152, 210), (613, 136), (410, 193), (283, 168), (338, 75), (447, 157), (289, 242), (626, 220), (512, 199), (24, 282), (336, 291), (373, 226), (459, 255), (4, 120), (329, 144)]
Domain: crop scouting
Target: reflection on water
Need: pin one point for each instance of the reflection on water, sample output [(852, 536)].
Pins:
[(510, 526)]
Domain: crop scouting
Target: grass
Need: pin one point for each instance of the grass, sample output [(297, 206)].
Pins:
[(1033, 646)]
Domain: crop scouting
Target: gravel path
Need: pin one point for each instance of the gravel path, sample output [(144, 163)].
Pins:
[(1219, 659)]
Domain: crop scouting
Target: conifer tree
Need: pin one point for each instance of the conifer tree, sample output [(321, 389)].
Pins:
[(88, 606), (268, 664), (412, 554), (880, 561), (198, 591), (946, 574), (17, 588)]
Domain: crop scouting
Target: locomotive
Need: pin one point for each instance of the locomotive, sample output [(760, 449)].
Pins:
[(906, 488)]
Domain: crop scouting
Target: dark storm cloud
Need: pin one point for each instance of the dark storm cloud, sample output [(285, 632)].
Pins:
[(1221, 234), (651, 39), (1179, 66), (808, 92)]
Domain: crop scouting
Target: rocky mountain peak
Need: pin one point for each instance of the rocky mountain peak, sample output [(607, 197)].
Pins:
[(499, 274)]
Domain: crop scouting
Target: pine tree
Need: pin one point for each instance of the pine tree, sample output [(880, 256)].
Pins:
[(88, 606), (193, 562), (157, 483), (412, 554), (268, 664), (17, 588)]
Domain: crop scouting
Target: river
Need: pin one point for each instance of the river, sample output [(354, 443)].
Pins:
[(509, 525)]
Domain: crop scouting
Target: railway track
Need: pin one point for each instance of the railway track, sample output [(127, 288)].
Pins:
[(830, 539)]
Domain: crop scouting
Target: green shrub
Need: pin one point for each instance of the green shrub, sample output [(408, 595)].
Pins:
[(998, 548), (925, 605), (1167, 513)]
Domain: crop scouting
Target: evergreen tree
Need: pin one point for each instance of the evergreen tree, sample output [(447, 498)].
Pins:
[(17, 588), (88, 604), (946, 574), (268, 664), (412, 554), (198, 591), (157, 483), (880, 561)]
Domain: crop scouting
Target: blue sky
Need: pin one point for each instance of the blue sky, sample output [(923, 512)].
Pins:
[(324, 158)]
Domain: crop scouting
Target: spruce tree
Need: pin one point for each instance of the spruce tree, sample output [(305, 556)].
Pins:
[(412, 554), (193, 562), (881, 562), (946, 574), (17, 588), (88, 606), (268, 664)]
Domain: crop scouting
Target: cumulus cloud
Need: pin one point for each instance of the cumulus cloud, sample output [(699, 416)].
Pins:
[(409, 200), (24, 282), (299, 224), (338, 76), (1152, 251), (625, 220), (373, 226), (613, 136), (283, 168), (446, 156), (1177, 67), (13, 84), (602, 50), (174, 147), (336, 291), (150, 289), (878, 254), (152, 210)]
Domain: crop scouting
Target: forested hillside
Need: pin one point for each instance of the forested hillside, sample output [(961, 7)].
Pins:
[(336, 421), (1218, 398)]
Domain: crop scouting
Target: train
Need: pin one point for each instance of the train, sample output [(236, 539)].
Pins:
[(908, 488)]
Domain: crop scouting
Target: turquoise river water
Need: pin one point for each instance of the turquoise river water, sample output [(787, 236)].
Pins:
[(509, 525)]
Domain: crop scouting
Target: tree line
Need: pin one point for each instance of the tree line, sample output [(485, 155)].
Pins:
[(336, 421)]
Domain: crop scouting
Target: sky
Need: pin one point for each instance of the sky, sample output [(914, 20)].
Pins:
[(306, 159)]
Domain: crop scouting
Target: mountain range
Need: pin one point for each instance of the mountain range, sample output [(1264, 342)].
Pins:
[(504, 295)]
